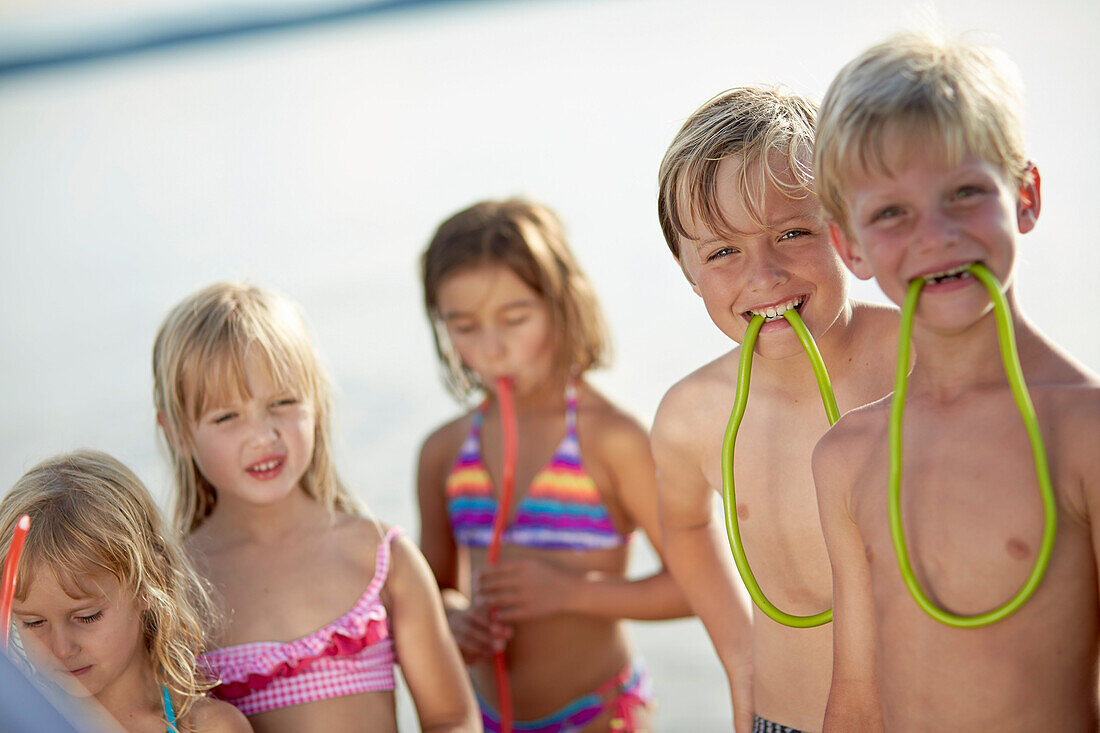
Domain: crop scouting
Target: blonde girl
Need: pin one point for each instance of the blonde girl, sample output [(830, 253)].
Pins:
[(320, 601), (106, 604), (506, 298)]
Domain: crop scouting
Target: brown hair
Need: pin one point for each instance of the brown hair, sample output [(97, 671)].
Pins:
[(769, 129), (529, 240), (199, 355), (89, 512)]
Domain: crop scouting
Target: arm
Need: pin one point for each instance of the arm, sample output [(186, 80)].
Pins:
[(429, 659), (527, 588), (695, 548), (469, 623), (853, 697)]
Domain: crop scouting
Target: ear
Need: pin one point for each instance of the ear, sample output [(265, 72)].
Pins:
[(162, 420), (687, 275), (1028, 201), (850, 252)]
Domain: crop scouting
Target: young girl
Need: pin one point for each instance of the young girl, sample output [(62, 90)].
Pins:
[(320, 601), (507, 299), (106, 604)]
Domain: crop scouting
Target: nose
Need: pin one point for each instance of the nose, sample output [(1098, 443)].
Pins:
[(492, 344), (936, 230), (262, 428), (768, 272), (62, 643)]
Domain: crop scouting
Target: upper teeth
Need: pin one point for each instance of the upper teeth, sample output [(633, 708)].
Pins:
[(266, 466), (773, 312), (947, 273)]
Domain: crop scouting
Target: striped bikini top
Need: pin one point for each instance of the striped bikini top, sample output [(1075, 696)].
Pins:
[(561, 509), (352, 654)]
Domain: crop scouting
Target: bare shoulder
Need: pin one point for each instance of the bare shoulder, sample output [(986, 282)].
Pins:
[(689, 406), (848, 443), (875, 330), (214, 716), (443, 443), (607, 426)]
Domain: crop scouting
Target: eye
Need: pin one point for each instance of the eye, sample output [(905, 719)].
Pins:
[(793, 234), (965, 192), (286, 401), (886, 213), (223, 417), (90, 619), (720, 253), (463, 329), (516, 320), (33, 624)]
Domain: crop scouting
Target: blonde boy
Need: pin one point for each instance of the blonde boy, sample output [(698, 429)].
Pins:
[(739, 213), (922, 170)]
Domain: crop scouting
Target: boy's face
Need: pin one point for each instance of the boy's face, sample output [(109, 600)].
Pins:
[(754, 269), (923, 216)]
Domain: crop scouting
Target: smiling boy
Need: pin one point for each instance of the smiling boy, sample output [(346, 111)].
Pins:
[(922, 170), (739, 213)]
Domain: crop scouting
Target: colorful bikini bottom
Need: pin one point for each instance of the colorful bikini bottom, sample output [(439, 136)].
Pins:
[(626, 693)]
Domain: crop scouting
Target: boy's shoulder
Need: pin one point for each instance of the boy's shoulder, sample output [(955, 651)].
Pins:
[(693, 403), (849, 442)]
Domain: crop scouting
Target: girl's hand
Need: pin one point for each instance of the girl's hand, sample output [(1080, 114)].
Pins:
[(477, 636), (527, 588)]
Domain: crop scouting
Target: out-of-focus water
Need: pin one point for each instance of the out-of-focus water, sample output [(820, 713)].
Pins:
[(318, 162)]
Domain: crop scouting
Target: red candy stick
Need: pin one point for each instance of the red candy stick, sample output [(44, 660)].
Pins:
[(508, 482), (7, 584)]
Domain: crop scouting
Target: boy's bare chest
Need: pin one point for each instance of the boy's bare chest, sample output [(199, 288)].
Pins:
[(969, 500)]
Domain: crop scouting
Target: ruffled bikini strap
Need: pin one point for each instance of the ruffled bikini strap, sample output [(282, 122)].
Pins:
[(382, 561)]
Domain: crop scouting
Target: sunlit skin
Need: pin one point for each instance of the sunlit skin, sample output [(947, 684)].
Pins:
[(284, 567), (87, 638), (781, 674), (559, 611), (969, 495)]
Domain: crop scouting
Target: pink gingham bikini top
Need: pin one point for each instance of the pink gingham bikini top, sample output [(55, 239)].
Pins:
[(353, 654)]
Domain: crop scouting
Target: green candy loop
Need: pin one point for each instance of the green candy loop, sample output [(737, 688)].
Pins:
[(729, 499), (1015, 376)]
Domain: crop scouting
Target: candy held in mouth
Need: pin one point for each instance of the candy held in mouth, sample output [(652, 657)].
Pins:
[(729, 497)]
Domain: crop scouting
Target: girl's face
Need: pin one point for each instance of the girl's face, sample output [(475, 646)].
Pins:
[(87, 638), (499, 326), (255, 448)]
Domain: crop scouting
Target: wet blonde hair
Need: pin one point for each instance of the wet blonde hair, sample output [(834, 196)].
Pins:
[(199, 357), (925, 86), (90, 513), (529, 240), (770, 129)]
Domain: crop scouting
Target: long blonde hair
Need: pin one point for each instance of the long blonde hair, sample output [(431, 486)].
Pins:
[(199, 356), (89, 512)]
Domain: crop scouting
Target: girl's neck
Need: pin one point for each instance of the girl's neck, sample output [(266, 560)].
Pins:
[(237, 521), (135, 694), (547, 397)]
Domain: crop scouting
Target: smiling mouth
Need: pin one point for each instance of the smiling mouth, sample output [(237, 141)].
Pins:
[(269, 465), (955, 273), (775, 312)]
